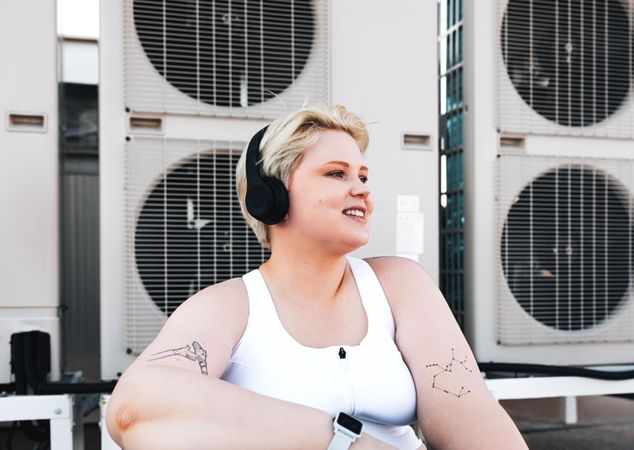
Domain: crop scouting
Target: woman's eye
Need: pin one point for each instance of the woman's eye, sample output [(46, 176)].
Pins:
[(336, 173), (363, 179)]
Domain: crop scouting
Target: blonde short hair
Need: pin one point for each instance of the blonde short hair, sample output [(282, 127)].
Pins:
[(283, 144)]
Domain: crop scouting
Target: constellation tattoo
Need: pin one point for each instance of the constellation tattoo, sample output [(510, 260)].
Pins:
[(193, 352), (440, 378)]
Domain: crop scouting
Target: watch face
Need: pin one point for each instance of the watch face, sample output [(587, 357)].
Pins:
[(349, 422)]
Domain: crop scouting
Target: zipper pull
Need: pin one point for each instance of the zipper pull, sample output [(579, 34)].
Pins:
[(342, 353)]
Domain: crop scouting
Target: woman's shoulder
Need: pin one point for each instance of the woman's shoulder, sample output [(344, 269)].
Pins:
[(402, 279), (226, 302), (214, 318), (233, 287), (395, 267)]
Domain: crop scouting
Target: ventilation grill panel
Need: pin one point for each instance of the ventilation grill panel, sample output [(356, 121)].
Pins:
[(184, 228), (232, 58), (565, 250), (566, 67)]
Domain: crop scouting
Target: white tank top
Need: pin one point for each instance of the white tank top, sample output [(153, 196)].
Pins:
[(371, 382)]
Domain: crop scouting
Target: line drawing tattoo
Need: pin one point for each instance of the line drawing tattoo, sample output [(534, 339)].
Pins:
[(445, 371), (193, 352)]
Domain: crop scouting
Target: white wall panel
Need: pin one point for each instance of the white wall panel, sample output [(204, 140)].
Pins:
[(384, 63), (29, 231)]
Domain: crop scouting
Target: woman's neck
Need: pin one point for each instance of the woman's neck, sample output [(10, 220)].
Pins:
[(306, 276)]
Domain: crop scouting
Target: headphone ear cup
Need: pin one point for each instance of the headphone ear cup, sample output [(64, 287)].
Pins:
[(259, 200), (279, 197)]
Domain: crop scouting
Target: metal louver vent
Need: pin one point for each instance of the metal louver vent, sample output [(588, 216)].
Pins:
[(566, 249), (224, 57), (185, 229), (570, 61)]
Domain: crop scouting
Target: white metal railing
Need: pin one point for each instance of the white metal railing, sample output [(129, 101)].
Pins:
[(56, 408), (548, 387)]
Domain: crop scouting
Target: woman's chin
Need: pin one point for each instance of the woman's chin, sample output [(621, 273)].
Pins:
[(357, 242)]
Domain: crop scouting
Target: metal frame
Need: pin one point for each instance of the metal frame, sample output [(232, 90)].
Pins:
[(546, 387), (106, 441), (568, 388), (56, 408)]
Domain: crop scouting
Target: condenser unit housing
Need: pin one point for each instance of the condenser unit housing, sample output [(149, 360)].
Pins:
[(548, 180)]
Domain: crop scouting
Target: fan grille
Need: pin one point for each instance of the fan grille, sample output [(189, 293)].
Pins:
[(186, 232), (225, 56), (569, 60), (566, 249)]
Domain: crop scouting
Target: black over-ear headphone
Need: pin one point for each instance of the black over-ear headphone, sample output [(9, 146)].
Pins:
[(267, 197)]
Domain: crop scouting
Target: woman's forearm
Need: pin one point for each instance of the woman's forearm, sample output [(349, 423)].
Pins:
[(164, 408), (478, 425)]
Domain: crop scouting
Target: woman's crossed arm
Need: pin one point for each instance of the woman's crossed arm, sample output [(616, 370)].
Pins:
[(172, 395)]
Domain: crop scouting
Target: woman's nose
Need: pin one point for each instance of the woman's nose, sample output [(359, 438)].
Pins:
[(360, 189)]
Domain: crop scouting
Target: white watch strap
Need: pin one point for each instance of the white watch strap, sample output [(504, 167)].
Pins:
[(340, 441)]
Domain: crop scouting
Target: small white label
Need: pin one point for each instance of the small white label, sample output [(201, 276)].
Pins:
[(410, 229), (408, 203)]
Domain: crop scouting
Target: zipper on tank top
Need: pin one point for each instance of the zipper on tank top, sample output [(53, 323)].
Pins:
[(343, 359)]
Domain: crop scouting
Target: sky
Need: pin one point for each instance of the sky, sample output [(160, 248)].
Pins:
[(78, 18)]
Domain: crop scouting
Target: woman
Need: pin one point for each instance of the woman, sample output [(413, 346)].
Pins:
[(313, 334)]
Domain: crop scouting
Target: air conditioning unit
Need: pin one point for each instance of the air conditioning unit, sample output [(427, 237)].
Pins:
[(225, 57), (180, 88), (29, 231), (549, 181)]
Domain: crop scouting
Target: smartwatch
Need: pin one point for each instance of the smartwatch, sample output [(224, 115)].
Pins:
[(347, 430)]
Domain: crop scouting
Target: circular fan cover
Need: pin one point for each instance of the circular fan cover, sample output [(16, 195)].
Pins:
[(569, 61), (567, 248), (190, 232), (227, 52)]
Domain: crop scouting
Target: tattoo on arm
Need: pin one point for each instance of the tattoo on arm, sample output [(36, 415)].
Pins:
[(193, 352), (444, 378)]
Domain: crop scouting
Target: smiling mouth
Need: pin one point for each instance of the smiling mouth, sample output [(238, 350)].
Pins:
[(354, 213)]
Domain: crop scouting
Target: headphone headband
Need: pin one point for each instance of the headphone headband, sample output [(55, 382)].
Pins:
[(251, 163)]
